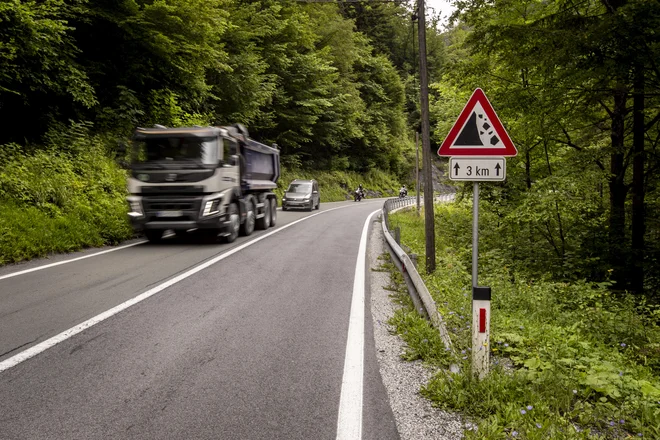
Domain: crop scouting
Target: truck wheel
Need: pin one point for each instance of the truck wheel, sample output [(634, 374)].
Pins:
[(154, 235), (264, 222), (234, 223), (248, 226), (273, 212)]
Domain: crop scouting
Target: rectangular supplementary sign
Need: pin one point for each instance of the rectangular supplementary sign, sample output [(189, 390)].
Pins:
[(477, 168)]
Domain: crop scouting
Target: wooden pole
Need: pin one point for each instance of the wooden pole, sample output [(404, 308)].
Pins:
[(429, 226)]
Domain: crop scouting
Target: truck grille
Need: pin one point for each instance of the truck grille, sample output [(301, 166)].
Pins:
[(170, 206), (189, 207)]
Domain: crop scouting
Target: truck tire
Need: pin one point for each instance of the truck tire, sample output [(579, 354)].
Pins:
[(234, 223), (154, 235), (263, 223), (273, 212), (247, 228)]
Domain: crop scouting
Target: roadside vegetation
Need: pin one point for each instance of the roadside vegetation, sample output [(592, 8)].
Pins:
[(69, 194), (571, 359)]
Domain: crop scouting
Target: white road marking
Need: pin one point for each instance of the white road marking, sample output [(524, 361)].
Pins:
[(349, 421), (22, 272), (48, 343), (46, 266)]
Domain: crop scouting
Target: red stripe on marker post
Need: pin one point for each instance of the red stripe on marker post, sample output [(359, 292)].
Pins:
[(482, 320)]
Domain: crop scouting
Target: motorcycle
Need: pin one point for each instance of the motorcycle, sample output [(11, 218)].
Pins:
[(403, 193), (358, 195)]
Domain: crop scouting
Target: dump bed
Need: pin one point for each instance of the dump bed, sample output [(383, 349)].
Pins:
[(262, 165)]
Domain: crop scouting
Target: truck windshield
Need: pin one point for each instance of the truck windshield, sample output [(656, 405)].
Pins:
[(186, 151), (303, 188)]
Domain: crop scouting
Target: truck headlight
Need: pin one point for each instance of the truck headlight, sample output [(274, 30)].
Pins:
[(212, 206), (135, 208)]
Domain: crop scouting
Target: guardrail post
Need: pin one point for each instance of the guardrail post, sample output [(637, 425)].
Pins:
[(397, 235), (413, 257)]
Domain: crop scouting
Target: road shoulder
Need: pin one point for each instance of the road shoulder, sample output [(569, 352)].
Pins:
[(416, 418)]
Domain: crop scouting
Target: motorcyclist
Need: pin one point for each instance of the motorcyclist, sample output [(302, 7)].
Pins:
[(359, 192), (403, 192)]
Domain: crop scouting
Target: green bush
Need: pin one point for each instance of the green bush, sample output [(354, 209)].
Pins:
[(60, 199)]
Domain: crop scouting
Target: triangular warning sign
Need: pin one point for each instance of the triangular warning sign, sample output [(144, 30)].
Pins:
[(477, 132)]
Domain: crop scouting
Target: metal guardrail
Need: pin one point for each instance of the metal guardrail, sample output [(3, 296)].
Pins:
[(410, 271)]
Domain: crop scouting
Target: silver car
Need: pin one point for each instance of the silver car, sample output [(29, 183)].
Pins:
[(302, 194)]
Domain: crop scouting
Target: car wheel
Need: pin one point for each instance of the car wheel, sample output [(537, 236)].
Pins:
[(234, 223), (154, 235), (318, 204), (273, 212), (284, 208), (248, 226), (264, 222), (311, 205)]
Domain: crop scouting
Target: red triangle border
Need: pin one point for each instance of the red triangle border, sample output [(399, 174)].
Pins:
[(448, 149)]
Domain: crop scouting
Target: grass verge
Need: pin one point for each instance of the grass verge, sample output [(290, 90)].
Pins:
[(569, 360)]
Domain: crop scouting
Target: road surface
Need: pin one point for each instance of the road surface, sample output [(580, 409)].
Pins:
[(266, 338)]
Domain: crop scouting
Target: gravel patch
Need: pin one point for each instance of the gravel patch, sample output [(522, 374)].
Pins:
[(416, 418)]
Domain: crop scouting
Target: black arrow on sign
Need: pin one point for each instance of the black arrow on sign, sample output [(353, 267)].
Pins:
[(456, 167), (497, 169)]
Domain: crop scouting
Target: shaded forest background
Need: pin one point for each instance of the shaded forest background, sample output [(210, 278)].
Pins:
[(335, 85)]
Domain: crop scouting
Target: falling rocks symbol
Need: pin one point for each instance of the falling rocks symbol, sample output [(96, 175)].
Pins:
[(477, 132)]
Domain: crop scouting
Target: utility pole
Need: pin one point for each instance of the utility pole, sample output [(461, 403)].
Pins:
[(429, 225)]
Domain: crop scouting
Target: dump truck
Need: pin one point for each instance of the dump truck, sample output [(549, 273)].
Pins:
[(216, 181)]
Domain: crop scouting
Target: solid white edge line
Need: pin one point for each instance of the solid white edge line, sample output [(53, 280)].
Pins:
[(48, 343), (349, 420), (46, 266)]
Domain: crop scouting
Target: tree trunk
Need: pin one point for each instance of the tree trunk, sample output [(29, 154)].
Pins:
[(618, 190), (528, 170), (638, 211)]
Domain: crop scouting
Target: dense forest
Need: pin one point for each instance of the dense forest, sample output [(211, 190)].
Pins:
[(335, 85)]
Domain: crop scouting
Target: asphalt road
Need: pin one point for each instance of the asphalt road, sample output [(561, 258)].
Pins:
[(240, 341)]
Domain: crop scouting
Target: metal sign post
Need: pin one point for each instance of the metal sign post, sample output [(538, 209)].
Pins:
[(480, 301)]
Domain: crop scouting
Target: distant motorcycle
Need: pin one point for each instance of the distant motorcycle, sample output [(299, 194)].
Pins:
[(403, 193), (359, 195)]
